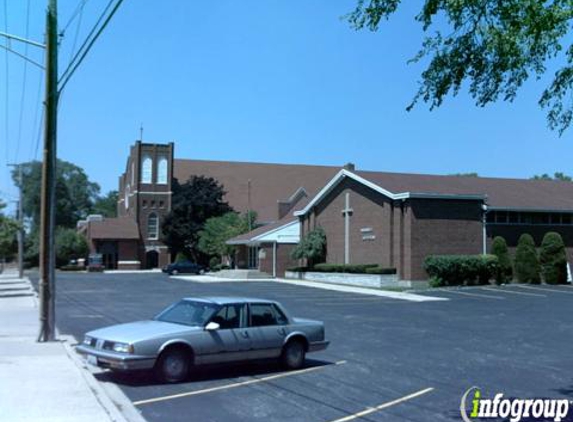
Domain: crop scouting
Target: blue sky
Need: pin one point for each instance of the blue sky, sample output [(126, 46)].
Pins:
[(264, 81)]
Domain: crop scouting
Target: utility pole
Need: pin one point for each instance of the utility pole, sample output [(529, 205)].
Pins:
[(20, 217), (48, 212)]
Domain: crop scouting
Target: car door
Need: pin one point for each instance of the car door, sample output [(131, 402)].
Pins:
[(267, 329), (229, 342)]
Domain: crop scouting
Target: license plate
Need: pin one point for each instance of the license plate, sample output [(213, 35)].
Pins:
[(92, 360)]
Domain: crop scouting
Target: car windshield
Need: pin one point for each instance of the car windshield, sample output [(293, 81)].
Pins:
[(188, 312)]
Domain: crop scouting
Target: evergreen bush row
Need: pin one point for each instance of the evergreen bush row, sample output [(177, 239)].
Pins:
[(456, 270)]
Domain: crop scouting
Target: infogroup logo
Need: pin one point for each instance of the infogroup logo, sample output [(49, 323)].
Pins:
[(514, 409)]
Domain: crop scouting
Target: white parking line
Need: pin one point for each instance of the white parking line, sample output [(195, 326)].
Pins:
[(234, 385), (512, 292), (541, 289), (384, 405), (473, 294)]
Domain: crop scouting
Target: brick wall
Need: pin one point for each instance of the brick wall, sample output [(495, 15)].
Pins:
[(442, 227)]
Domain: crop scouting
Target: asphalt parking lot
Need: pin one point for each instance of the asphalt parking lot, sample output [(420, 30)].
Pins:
[(388, 360)]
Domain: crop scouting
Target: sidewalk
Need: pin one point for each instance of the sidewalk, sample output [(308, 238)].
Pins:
[(42, 381)]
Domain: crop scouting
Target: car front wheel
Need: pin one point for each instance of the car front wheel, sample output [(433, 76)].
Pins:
[(293, 354), (173, 365), (174, 272)]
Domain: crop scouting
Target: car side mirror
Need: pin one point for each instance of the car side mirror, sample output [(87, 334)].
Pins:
[(212, 326)]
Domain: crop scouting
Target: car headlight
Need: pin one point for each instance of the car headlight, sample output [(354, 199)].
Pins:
[(122, 348), (88, 340)]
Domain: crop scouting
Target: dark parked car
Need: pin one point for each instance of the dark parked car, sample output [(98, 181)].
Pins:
[(184, 267)]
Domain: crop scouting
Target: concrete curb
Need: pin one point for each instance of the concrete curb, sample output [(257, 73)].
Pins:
[(112, 399)]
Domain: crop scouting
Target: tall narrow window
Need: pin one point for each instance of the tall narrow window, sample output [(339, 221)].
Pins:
[(133, 173), (146, 169), (162, 171), (152, 226)]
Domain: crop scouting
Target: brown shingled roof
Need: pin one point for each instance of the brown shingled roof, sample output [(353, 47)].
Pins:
[(273, 182), (114, 228), (501, 193), (269, 182)]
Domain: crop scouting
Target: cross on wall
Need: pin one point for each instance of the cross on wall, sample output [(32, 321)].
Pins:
[(347, 213)]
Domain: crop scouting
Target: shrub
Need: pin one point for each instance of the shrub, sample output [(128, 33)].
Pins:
[(340, 268), (312, 247), (456, 270), (553, 259), (69, 245), (504, 270), (526, 262), (215, 262), (181, 257), (435, 282), (298, 269), (380, 270)]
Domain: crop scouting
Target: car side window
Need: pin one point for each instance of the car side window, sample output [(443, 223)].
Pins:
[(228, 317), (281, 317), (264, 314)]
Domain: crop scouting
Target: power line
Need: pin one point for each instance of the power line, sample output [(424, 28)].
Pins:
[(74, 44), (78, 10), (7, 68), (23, 96), (88, 44)]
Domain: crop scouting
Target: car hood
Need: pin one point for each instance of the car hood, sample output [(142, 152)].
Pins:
[(140, 330)]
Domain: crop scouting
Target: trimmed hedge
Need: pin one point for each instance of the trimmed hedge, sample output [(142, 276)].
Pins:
[(380, 270), (526, 261), (553, 259), (505, 269), (458, 270)]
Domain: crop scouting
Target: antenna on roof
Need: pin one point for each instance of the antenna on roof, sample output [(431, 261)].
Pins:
[(141, 132)]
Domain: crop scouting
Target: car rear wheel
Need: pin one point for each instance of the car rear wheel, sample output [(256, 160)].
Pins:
[(173, 365), (201, 272), (293, 354)]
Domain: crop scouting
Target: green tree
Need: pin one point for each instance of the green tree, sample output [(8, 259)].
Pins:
[(69, 245), (106, 205), (491, 46), (553, 259), (526, 261), (75, 193), (217, 230), (556, 176), (194, 202), (8, 229), (312, 247), (504, 268)]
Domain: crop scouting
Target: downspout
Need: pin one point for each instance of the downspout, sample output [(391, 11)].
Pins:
[(484, 228)]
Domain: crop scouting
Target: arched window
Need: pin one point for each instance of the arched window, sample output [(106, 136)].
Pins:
[(152, 226), (146, 169), (162, 171)]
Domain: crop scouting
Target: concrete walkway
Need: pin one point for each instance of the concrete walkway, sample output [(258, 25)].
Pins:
[(44, 381)]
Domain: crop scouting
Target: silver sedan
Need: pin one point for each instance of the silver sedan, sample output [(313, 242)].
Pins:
[(198, 331)]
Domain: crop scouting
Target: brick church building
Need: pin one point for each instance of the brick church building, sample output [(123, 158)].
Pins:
[(391, 219)]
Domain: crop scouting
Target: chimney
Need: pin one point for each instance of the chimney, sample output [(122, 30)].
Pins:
[(349, 167)]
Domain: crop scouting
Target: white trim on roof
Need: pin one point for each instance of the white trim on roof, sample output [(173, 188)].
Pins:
[(403, 195), (287, 233)]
